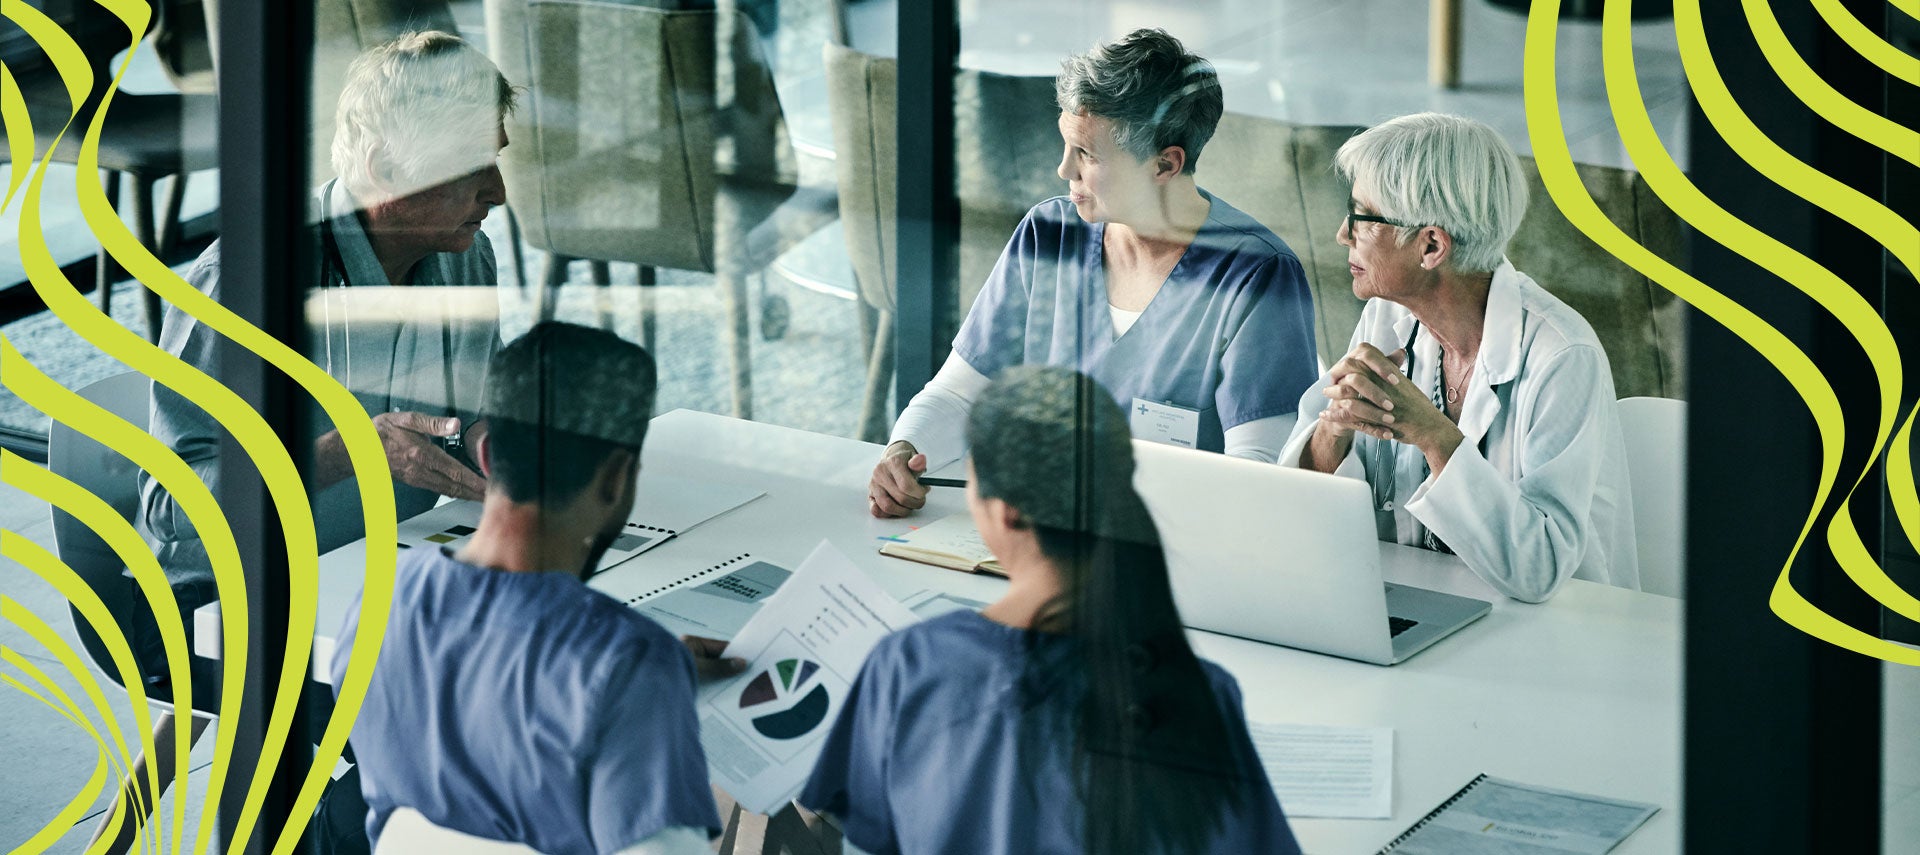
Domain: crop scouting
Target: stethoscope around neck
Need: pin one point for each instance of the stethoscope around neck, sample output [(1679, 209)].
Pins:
[(1382, 463), (333, 267)]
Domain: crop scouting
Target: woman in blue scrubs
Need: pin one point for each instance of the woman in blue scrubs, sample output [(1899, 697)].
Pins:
[(1070, 715), (1196, 317)]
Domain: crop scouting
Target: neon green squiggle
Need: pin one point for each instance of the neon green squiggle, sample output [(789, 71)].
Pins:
[(1890, 59), (1894, 234), (1556, 167), (13, 113), (120, 536), (44, 635), (75, 810)]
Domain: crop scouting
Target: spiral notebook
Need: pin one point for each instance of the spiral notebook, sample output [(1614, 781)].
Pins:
[(715, 601), (1495, 814)]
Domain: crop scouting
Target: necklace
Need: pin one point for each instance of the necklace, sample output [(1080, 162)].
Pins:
[(1453, 389)]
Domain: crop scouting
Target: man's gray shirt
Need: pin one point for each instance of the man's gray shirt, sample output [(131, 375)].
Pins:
[(394, 348)]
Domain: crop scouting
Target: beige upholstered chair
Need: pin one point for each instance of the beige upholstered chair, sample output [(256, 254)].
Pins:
[(1006, 151), (861, 97), (627, 147), (1282, 175)]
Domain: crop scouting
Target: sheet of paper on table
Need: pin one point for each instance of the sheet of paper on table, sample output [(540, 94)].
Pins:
[(763, 730), (1328, 772), (721, 606), (450, 525), (680, 505)]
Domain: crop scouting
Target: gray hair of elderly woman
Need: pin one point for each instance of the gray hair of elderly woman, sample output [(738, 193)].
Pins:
[(426, 105), (1154, 92), (1053, 444), (1432, 169)]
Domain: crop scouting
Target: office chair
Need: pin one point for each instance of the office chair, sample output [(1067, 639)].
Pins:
[(1655, 430)]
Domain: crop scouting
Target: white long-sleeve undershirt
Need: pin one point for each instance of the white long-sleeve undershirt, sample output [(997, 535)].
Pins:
[(935, 421)]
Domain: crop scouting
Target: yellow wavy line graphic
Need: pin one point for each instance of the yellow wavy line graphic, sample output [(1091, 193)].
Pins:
[(282, 480), (41, 392), (1889, 136), (1570, 196), (13, 113), (58, 575), (1890, 59), (75, 809), (1897, 237), (1903, 243), (364, 450), (133, 552), (1837, 297), (44, 635)]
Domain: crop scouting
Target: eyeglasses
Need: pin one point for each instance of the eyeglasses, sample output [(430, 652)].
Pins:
[(1368, 218)]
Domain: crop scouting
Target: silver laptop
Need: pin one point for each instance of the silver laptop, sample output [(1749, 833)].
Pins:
[(1285, 556)]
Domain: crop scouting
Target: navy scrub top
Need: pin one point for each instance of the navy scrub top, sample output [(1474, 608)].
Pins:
[(527, 707), (925, 756), (1230, 333)]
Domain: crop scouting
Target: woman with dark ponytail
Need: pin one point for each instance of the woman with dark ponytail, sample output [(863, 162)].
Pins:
[(1070, 715)]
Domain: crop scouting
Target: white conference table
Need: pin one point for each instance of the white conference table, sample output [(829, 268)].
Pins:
[(1580, 693)]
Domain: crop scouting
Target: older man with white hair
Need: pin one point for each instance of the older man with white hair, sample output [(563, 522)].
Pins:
[(417, 136), (1479, 407)]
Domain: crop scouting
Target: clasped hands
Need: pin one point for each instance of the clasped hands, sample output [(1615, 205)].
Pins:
[(414, 454), (1370, 395)]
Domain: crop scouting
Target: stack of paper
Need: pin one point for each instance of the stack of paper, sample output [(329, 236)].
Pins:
[(1328, 772)]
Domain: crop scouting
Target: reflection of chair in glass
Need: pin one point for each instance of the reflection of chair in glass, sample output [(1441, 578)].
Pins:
[(145, 137), (651, 134), (109, 476), (861, 96), (1656, 435), (1006, 148)]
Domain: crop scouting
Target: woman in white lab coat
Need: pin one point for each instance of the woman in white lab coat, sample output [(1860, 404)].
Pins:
[(1479, 407)]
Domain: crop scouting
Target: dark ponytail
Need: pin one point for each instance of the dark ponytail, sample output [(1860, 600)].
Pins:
[(1154, 766)]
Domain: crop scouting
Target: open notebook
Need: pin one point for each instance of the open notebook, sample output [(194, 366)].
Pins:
[(951, 542)]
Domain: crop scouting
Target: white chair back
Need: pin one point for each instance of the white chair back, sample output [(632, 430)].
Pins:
[(1656, 437), (407, 832)]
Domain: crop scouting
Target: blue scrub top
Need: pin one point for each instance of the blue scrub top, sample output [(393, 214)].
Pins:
[(925, 757), (1229, 334), (527, 707)]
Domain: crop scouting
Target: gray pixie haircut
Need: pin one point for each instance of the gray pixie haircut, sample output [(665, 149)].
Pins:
[(419, 104), (1154, 91), (1432, 169)]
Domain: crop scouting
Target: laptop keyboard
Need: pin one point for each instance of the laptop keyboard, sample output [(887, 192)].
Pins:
[(1397, 625)]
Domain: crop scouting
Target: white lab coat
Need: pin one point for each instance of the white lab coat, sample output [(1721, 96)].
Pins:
[(1538, 490)]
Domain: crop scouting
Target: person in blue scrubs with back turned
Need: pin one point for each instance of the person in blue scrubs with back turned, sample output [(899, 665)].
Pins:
[(1070, 715), (510, 701), (1195, 316)]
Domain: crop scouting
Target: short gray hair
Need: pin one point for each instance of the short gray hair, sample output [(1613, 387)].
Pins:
[(1432, 169), (419, 104), (1154, 92)]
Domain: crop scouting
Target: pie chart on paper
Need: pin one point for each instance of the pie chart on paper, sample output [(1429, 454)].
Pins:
[(781, 705)]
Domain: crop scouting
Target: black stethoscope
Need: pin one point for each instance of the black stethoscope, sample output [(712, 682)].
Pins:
[(333, 267)]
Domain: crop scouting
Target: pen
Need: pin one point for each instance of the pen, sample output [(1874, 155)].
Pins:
[(943, 482)]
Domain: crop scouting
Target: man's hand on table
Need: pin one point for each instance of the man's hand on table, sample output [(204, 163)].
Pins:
[(707, 658), (413, 456), (895, 490)]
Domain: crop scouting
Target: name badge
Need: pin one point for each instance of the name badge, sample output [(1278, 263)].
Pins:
[(1168, 424)]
